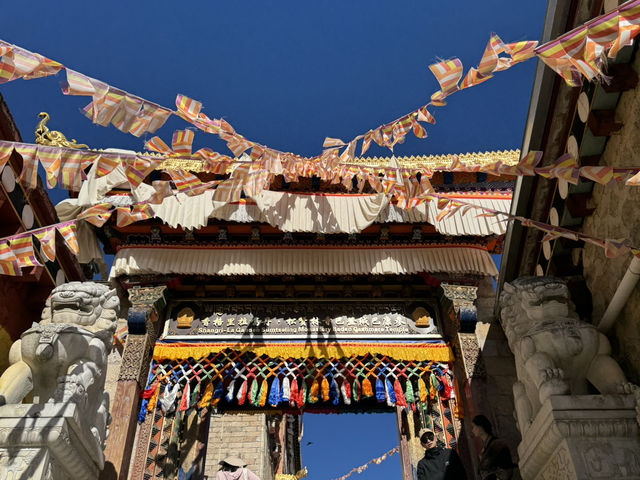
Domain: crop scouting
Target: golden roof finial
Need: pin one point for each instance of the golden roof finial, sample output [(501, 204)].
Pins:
[(44, 136)]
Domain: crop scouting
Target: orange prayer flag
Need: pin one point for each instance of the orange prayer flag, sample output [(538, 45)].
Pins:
[(47, 240), (6, 149), (68, 232), (97, 215), (22, 248), (51, 159), (332, 142), (182, 141), (29, 175), (187, 107)]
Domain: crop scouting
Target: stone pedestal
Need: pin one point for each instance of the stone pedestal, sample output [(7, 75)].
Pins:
[(582, 437), (46, 442)]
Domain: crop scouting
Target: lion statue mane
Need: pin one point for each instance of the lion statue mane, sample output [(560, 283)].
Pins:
[(555, 352), (63, 359)]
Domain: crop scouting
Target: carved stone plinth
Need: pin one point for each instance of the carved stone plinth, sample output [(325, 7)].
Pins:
[(582, 437), (47, 442)]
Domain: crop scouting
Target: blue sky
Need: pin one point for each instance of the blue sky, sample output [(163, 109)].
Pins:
[(285, 74)]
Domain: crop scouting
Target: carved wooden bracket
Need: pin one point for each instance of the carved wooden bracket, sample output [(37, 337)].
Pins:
[(146, 302)]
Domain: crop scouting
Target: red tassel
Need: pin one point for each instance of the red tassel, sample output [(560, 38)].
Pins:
[(347, 388), (294, 401), (242, 395), (148, 393), (446, 388), (397, 389), (184, 401)]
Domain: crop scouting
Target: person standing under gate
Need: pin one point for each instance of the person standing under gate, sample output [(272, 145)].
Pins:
[(439, 463), (233, 468), (495, 458)]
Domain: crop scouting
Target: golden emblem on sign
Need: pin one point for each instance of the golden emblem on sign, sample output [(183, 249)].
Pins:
[(185, 318), (421, 317)]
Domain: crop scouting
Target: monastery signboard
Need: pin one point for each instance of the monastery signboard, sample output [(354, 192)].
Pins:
[(308, 319)]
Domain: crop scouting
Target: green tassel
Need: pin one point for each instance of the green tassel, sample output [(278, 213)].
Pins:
[(194, 395), (254, 393), (409, 392)]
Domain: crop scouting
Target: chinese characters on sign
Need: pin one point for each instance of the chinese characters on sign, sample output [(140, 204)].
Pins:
[(296, 319)]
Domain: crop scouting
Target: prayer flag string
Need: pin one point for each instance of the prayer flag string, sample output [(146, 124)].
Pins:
[(576, 54)]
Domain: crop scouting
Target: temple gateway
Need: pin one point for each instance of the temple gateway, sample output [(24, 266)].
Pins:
[(222, 319)]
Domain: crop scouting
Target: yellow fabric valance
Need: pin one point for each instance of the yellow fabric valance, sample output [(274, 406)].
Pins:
[(419, 352)]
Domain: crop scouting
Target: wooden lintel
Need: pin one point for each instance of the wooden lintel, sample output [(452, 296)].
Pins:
[(622, 78), (602, 123)]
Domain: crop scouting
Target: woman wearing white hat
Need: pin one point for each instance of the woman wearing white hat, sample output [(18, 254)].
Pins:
[(234, 468)]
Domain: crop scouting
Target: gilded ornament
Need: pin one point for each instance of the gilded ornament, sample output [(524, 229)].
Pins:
[(44, 136)]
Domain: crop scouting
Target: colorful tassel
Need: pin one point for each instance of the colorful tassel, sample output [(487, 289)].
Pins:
[(206, 396), (447, 388), (408, 393), (422, 390), (324, 388), (380, 396), (184, 401), (263, 393), (313, 392), (274, 393), (153, 401), (217, 393), (230, 388), (345, 389), (194, 395), (302, 394), (397, 390), (293, 394), (286, 389), (168, 401), (333, 392), (142, 414), (356, 390), (389, 393), (433, 387), (254, 398), (242, 393), (367, 389), (148, 393)]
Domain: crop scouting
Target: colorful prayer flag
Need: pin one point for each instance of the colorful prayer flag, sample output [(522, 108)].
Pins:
[(47, 240), (187, 107), (97, 215), (29, 175), (182, 141), (22, 248), (68, 232)]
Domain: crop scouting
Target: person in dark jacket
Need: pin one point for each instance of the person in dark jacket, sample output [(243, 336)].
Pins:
[(439, 463), (495, 458)]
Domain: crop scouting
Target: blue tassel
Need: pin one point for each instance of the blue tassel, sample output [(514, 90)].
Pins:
[(333, 392), (217, 391), (142, 414), (391, 395), (380, 396), (274, 393)]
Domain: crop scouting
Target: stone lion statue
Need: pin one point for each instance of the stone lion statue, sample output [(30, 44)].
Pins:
[(63, 358), (555, 352)]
